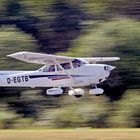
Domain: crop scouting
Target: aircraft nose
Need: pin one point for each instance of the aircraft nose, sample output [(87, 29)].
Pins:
[(109, 68)]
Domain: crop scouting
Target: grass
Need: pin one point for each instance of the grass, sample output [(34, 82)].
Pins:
[(71, 134)]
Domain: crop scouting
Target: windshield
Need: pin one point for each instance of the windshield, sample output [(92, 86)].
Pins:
[(77, 63)]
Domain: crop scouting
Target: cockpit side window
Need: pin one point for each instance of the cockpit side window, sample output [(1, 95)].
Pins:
[(66, 66), (49, 68)]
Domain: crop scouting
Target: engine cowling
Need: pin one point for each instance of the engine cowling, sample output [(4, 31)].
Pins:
[(96, 91), (54, 91), (76, 92)]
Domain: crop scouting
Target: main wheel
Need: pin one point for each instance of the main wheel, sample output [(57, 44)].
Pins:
[(57, 95), (98, 94), (78, 96)]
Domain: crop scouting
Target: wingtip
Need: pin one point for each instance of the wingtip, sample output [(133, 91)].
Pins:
[(9, 55), (13, 55)]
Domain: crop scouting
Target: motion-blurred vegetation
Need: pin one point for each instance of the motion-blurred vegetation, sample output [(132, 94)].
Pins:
[(73, 28)]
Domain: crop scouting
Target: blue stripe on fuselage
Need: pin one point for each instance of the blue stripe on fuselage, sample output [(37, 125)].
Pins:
[(54, 77)]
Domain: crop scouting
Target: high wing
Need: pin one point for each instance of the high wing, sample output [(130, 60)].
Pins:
[(40, 58), (48, 59)]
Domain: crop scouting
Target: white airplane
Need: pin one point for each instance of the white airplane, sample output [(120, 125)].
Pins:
[(59, 72)]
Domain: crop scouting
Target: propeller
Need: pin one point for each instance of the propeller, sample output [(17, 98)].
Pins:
[(114, 79)]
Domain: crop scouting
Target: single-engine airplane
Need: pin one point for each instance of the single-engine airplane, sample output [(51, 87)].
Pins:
[(59, 72)]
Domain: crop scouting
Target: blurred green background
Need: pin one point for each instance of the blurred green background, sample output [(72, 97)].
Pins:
[(72, 28)]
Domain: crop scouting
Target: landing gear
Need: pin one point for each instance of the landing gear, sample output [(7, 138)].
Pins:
[(78, 96), (57, 95), (56, 92), (96, 91), (98, 94), (77, 92)]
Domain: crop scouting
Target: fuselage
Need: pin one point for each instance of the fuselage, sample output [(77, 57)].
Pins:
[(86, 74)]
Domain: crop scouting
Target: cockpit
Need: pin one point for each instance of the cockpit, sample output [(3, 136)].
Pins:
[(68, 65)]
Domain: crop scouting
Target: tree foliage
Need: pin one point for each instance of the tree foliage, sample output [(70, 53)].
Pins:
[(73, 28)]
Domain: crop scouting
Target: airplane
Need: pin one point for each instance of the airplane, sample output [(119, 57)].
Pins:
[(59, 72)]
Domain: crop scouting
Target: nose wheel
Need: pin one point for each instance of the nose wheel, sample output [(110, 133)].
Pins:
[(96, 91)]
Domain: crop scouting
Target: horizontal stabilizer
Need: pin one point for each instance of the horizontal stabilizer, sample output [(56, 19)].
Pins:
[(101, 59)]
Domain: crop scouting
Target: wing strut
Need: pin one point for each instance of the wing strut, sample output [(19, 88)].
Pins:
[(66, 73)]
